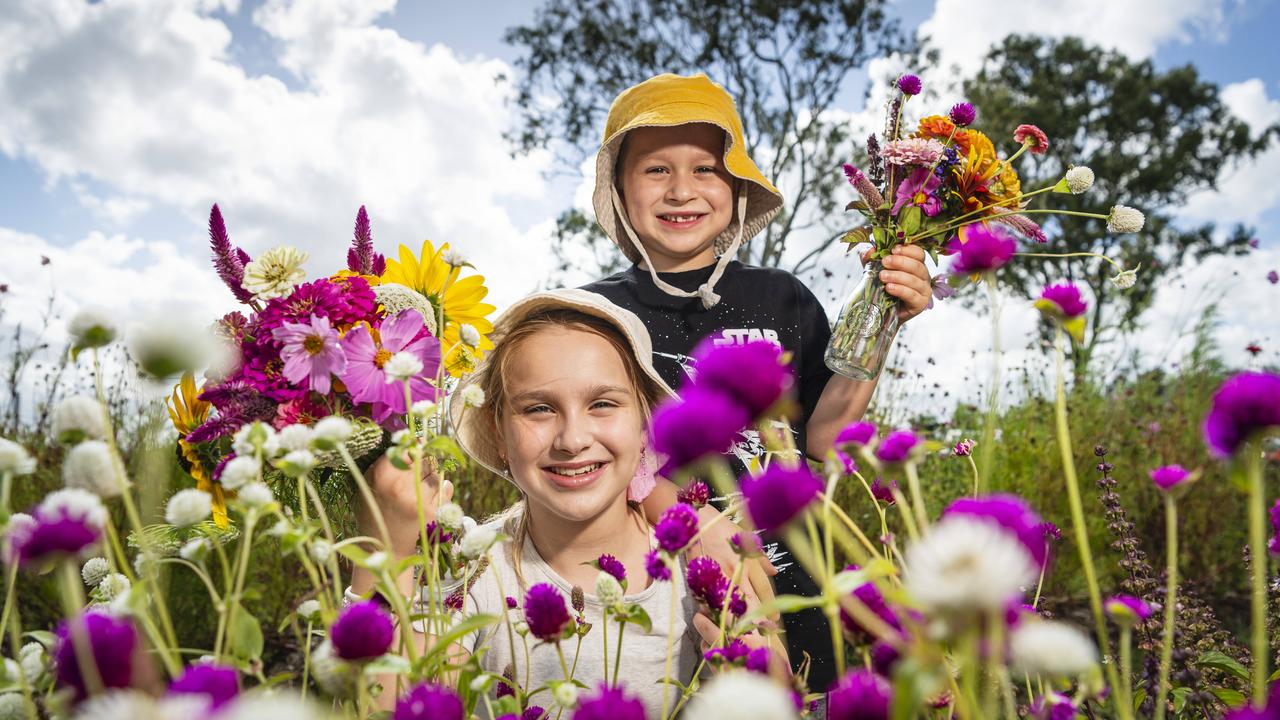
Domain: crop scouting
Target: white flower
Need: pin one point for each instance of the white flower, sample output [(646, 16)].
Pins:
[(1052, 649), (469, 335), (521, 627), (332, 431), (334, 675), (1126, 279), (309, 610), (376, 562), (19, 524), (477, 542), (1079, 179), (396, 298), (453, 256), (401, 437), (473, 395), (33, 661), (566, 694), (744, 696), (297, 463), (294, 437), (15, 459), (274, 273), (240, 470), (112, 587), (450, 515), (142, 563), (12, 706), (966, 564), (94, 570), (188, 507), (423, 408), (1125, 219), (92, 328), (321, 551), (74, 503), (608, 589), (468, 524), (402, 366), (255, 495), (253, 437), (88, 466), (78, 418), (274, 706), (168, 346), (195, 550)]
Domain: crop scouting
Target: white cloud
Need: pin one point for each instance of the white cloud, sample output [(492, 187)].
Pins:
[(1247, 191)]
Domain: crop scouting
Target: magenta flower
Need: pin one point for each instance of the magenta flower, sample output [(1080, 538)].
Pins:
[(367, 353), (707, 581), (964, 448), (228, 260), (1054, 706), (546, 612), (1168, 477), (1012, 514), (753, 374), (1033, 137), (608, 703), (746, 544), (320, 297), (1127, 609), (779, 495), (920, 189), (859, 695), (859, 434), (427, 701), (884, 491), (311, 352), (910, 84), (1273, 277), (870, 194), (704, 423), (676, 527), (112, 641), (360, 256), (1274, 544), (654, 566), (1065, 299), (963, 114), (1245, 405), (696, 494), (612, 565), (870, 596), (897, 446), (984, 249), (66, 523), (363, 631), (219, 683), (1270, 711)]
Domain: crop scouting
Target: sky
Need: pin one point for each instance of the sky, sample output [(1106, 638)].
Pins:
[(125, 120)]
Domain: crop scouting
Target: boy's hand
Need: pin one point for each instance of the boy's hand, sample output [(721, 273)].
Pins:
[(906, 278)]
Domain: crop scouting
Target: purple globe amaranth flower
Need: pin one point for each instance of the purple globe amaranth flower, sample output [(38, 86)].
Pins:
[(676, 527), (1051, 532), (1243, 406), (704, 423), (1065, 299), (1053, 706), (883, 657), (707, 581), (910, 84), (981, 248), (964, 448), (1273, 277), (111, 641), (753, 374), (963, 114), (612, 565), (758, 660), (859, 695), (363, 631), (655, 567), (1168, 477), (695, 494), (1016, 610), (1011, 513), (65, 523), (871, 598), (859, 433), (883, 491), (746, 544), (1127, 609), (897, 446), (1270, 711), (736, 650), (428, 701), (219, 683), (608, 703), (546, 612), (778, 495)]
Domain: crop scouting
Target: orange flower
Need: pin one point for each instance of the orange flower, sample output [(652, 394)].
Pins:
[(940, 127), (983, 179)]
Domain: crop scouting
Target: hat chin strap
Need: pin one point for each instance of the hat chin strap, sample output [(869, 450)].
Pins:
[(706, 291)]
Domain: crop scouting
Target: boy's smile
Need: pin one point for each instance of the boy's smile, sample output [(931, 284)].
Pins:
[(677, 194)]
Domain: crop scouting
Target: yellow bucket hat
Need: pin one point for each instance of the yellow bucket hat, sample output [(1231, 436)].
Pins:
[(664, 101)]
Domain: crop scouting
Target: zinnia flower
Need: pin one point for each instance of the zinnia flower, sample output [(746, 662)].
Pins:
[(111, 642), (367, 353), (1125, 219), (909, 84), (980, 248), (967, 564), (1010, 513), (704, 423), (1169, 477), (1033, 137), (919, 189), (963, 114), (752, 374), (1127, 609), (311, 352), (428, 701), (779, 494), (274, 273), (912, 151), (860, 695), (1246, 404), (546, 612), (220, 684), (676, 527), (66, 522), (1052, 649), (363, 631)]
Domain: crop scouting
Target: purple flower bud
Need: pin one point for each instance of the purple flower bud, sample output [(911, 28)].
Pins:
[(704, 423), (753, 374), (608, 703), (897, 446), (778, 495), (111, 641), (655, 567), (963, 114), (964, 448), (217, 682), (707, 581), (427, 701), (1066, 299), (511, 603), (1168, 477), (859, 695), (746, 544), (363, 631), (1245, 404), (613, 566), (676, 527), (546, 612), (909, 85), (1127, 609)]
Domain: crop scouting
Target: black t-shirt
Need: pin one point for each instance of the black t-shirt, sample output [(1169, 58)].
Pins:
[(755, 303)]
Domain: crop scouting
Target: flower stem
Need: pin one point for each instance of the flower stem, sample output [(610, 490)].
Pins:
[(306, 660), (1258, 552), (666, 673), (1114, 264), (1170, 601), (617, 659), (1126, 678), (976, 477), (367, 494), (986, 448), (917, 495), (242, 569)]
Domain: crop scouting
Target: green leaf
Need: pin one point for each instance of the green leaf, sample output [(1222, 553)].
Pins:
[(1219, 661), (459, 631), (246, 635), (638, 616), (1229, 697), (1179, 698), (912, 683), (354, 553), (909, 219), (48, 639), (788, 604), (445, 445), (856, 236)]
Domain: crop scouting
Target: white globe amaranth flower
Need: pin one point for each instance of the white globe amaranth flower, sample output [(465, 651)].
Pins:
[(143, 563), (396, 298), (331, 431), (453, 256), (377, 561), (112, 587), (401, 437), (741, 694), (1125, 279), (74, 503), (966, 564), (14, 459), (473, 395), (566, 695), (521, 627), (274, 273), (478, 541), (309, 610), (335, 676), (256, 437), (255, 495), (77, 418), (277, 706), (1079, 179), (91, 328), (88, 466), (1052, 649), (297, 463), (33, 660), (94, 569), (423, 408), (608, 589), (12, 706), (240, 471), (402, 366), (195, 550), (321, 551), (450, 515), (167, 346), (1124, 219), (188, 507), (469, 335), (468, 524), (295, 437)]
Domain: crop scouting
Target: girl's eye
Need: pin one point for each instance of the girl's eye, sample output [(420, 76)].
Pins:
[(537, 409), (603, 404)]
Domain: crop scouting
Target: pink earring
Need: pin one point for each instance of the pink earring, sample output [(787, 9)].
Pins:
[(643, 483)]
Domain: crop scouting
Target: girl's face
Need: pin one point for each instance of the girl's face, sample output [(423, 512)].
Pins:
[(573, 427), (676, 192)]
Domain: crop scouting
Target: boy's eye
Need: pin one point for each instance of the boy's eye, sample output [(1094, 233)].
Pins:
[(706, 169), (654, 170)]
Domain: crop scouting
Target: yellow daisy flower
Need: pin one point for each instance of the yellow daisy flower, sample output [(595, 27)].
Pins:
[(188, 412), (458, 298)]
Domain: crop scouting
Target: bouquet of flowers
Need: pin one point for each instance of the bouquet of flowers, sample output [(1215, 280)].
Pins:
[(928, 187), (365, 343)]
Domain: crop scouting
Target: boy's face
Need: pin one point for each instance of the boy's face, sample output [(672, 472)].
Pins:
[(677, 193)]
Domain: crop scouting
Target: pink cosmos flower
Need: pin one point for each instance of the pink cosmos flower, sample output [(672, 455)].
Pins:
[(368, 350), (311, 352), (1039, 141), (920, 188)]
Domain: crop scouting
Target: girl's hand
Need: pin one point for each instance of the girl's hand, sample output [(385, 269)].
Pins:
[(906, 278), (394, 491)]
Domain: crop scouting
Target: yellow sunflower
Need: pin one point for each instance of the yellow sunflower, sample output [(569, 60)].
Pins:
[(458, 298), (188, 412)]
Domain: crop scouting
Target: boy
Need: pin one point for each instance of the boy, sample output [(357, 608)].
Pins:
[(676, 191)]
